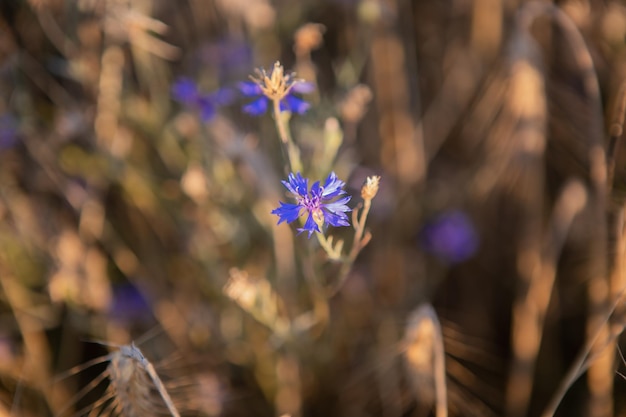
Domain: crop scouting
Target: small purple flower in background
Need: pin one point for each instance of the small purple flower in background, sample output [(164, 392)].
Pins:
[(451, 237), (318, 203), (275, 86), (231, 57), (186, 92), (8, 131), (128, 305)]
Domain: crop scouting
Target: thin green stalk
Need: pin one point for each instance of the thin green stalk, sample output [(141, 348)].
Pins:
[(334, 253), (293, 154), (360, 240)]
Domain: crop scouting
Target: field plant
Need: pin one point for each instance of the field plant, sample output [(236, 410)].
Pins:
[(312, 208)]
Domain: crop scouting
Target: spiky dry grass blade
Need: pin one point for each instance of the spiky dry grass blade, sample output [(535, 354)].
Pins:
[(583, 360), (425, 358), (81, 394), (133, 381), (134, 387)]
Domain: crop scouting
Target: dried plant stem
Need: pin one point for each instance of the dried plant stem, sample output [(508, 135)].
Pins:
[(360, 240), (535, 280), (600, 378), (617, 278), (288, 393), (529, 314), (293, 154), (37, 360), (334, 252), (601, 373), (616, 131), (321, 308)]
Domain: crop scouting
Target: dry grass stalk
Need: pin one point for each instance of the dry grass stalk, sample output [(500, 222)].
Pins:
[(528, 317), (616, 131), (425, 358), (135, 388), (133, 381), (527, 106), (600, 373)]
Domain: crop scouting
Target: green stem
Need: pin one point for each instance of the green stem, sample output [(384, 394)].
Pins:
[(360, 228), (292, 151), (328, 246), (360, 240)]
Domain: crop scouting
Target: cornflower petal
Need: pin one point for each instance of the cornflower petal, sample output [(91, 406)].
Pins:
[(250, 89), (185, 90), (333, 186), (336, 219), (207, 108), (297, 185), (284, 106), (287, 212), (257, 107), (310, 226), (295, 104), (303, 87), (339, 206), (222, 97), (316, 190)]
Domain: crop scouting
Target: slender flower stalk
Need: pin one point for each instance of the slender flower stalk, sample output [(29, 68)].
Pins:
[(282, 126), (278, 88), (361, 236)]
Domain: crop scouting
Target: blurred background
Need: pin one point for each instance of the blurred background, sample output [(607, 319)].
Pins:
[(495, 126)]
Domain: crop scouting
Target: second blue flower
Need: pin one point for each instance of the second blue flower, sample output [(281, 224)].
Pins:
[(325, 204)]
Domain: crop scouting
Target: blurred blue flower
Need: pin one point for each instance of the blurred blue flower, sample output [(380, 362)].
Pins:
[(451, 237), (318, 203), (129, 305), (231, 57), (186, 91), (290, 103), (8, 131)]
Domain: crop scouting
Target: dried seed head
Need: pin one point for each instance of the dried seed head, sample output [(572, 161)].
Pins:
[(370, 188), (275, 85)]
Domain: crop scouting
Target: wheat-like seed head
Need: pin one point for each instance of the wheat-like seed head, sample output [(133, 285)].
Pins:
[(424, 358), (135, 385)]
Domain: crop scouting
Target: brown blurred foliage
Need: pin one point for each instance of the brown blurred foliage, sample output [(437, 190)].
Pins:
[(122, 213)]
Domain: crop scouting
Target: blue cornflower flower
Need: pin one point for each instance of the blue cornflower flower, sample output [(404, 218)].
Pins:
[(318, 203), (275, 86), (186, 91), (451, 237)]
